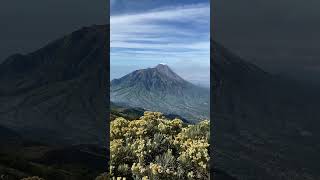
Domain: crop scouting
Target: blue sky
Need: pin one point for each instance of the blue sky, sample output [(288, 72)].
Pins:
[(145, 33)]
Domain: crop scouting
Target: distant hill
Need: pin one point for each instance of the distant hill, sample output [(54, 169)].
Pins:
[(130, 113), (161, 89)]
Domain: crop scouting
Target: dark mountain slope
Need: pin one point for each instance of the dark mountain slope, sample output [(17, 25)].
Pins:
[(244, 91), (160, 89), (265, 127), (54, 94)]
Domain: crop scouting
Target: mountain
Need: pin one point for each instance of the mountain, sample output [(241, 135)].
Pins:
[(54, 94), (53, 118), (161, 89), (265, 126), (245, 91)]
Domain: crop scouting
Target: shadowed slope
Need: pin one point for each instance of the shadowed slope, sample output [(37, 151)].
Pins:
[(265, 126), (55, 94)]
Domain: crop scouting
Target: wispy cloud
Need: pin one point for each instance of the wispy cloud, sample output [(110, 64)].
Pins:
[(171, 33)]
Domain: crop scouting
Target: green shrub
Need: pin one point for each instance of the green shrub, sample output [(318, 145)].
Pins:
[(157, 148)]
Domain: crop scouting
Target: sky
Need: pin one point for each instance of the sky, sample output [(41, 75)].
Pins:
[(145, 33), (29, 25), (280, 36)]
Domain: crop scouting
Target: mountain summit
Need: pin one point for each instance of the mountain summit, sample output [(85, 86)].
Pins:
[(160, 78), (161, 89), (165, 70)]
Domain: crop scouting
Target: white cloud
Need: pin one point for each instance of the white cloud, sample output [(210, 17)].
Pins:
[(172, 33), (188, 13), (158, 29)]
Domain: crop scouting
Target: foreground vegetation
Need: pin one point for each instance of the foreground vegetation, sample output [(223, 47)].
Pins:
[(154, 147), (40, 162)]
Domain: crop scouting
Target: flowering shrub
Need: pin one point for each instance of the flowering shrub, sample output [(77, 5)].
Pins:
[(154, 147)]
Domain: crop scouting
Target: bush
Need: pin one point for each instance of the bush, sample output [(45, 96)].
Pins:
[(154, 147)]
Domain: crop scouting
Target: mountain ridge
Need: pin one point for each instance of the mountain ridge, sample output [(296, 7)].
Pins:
[(263, 127), (54, 94), (158, 89)]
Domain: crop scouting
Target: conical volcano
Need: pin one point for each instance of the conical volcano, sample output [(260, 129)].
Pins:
[(161, 89)]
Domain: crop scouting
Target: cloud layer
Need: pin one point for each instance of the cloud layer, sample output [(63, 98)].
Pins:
[(178, 36)]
